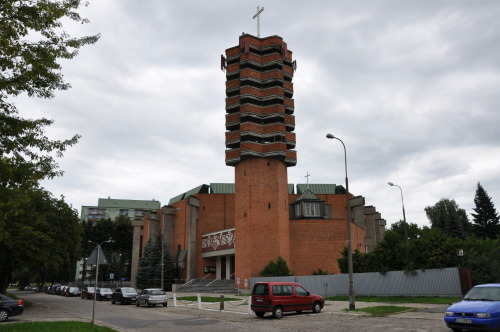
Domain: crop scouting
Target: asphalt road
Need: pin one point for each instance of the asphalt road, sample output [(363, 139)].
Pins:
[(187, 317)]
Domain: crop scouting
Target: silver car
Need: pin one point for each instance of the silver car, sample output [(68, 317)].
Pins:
[(152, 297)]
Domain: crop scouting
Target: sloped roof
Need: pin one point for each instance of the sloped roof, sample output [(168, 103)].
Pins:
[(307, 196), (317, 188), (202, 189)]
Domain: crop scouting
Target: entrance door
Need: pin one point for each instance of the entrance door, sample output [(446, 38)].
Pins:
[(223, 267)]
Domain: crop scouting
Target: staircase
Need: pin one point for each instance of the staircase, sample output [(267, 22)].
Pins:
[(209, 286)]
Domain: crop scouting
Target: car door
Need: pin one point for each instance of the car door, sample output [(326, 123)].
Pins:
[(143, 297), (302, 298)]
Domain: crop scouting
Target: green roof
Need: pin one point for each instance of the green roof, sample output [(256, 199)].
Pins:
[(317, 188), (222, 188), (228, 188), (202, 189), (128, 204)]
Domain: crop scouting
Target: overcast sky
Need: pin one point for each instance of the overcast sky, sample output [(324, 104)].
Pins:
[(411, 87)]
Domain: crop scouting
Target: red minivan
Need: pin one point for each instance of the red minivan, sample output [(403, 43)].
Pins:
[(279, 297)]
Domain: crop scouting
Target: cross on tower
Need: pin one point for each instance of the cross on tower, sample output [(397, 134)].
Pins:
[(307, 179), (259, 10)]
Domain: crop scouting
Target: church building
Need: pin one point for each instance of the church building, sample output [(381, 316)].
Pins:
[(233, 230)]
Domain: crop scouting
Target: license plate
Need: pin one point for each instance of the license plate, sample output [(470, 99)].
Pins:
[(258, 300), (464, 321)]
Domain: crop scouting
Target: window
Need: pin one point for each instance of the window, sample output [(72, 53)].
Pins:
[(261, 289), (301, 291), (311, 209)]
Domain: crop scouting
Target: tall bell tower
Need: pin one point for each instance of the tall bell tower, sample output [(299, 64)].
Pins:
[(260, 146)]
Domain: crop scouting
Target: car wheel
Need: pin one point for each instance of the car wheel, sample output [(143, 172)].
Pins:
[(456, 330), (278, 312), (316, 307), (4, 315), (112, 301), (146, 303), (136, 303), (260, 314), (164, 304)]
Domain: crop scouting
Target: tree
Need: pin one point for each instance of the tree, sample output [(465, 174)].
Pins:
[(119, 251), (31, 44), (278, 268), (149, 267), (486, 220), (447, 216), (358, 261), (43, 237)]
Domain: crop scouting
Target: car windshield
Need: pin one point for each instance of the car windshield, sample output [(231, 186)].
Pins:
[(156, 292), (106, 290), (483, 294), (128, 290), (73, 288)]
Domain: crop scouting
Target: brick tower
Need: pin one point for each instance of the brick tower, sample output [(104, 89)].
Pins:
[(259, 144)]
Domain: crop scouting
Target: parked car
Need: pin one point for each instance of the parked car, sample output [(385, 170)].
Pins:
[(10, 307), (152, 297), (54, 289), (103, 294), (278, 297), (124, 295), (62, 290), (72, 291), (88, 292), (478, 310)]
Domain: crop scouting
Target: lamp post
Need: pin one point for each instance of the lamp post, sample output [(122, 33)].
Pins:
[(404, 216), (352, 305), (98, 246)]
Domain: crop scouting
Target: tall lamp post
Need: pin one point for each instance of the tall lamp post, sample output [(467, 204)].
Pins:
[(352, 305), (98, 246), (404, 216)]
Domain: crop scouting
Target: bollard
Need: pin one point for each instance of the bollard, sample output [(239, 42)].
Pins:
[(222, 303), (250, 305), (175, 300), (199, 301)]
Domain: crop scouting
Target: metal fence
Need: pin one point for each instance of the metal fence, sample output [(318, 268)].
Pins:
[(431, 282)]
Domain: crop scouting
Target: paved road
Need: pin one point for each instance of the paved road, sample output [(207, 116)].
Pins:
[(235, 317)]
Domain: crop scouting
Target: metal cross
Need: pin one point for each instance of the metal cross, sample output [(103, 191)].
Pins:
[(259, 10), (307, 177)]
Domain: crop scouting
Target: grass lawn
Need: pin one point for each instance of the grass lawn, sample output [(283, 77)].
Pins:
[(398, 299), (384, 310), (54, 327)]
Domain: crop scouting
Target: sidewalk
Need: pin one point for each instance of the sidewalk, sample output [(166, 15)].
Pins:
[(241, 306)]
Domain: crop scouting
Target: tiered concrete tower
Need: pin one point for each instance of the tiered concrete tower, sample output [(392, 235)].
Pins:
[(260, 145)]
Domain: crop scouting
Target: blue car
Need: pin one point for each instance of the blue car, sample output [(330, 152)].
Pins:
[(479, 310)]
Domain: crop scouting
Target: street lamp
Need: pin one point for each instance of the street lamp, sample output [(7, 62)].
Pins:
[(404, 216), (352, 305), (98, 246)]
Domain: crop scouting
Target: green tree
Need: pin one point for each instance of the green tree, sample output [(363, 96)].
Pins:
[(119, 251), (31, 44), (358, 261), (447, 216), (486, 220), (43, 237), (278, 268), (149, 268)]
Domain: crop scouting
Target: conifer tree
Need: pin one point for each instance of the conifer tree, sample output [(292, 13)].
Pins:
[(486, 220), (149, 267)]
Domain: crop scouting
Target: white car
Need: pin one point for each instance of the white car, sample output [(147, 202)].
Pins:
[(151, 297)]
